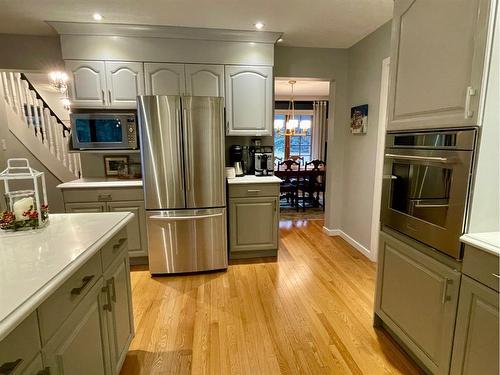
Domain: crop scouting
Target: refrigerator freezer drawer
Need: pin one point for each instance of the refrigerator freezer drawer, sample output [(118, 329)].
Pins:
[(187, 240)]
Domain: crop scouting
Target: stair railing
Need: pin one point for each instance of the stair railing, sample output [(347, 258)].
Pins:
[(37, 115)]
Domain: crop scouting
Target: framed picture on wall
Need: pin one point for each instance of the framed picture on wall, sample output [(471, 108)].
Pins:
[(115, 165), (359, 119)]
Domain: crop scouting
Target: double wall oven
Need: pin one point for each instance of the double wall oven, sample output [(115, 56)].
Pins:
[(426, 186)]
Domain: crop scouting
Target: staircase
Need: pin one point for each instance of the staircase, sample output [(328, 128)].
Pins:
[(35, 125)]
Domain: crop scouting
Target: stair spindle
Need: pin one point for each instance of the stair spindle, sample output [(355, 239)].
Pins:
[(49, 133), (29, 109), (5, 84), (22, 97), (36, 117)]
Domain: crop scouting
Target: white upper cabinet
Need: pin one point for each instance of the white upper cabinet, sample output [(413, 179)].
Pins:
[(249, 100), (110, 84), (124, 80), (204, 80), (87, 83), (437, 63), (164, 79)]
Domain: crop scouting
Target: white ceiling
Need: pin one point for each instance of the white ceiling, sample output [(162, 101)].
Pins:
[(319, 23), (302, 89)]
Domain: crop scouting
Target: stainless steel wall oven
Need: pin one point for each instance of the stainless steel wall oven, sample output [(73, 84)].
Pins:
[(426, 186)]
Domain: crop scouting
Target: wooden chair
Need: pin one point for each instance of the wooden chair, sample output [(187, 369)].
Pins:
[(289, 185), (317, 182)]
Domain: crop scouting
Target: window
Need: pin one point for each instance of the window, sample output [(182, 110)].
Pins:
[(287, 147)]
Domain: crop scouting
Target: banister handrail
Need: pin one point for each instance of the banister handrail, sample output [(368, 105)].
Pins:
[(45, 105)]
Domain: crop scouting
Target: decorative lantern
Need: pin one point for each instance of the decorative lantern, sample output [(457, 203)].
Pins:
[(26, 209)]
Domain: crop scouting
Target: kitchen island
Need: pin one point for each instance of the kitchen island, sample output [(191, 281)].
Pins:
[(65, 301)]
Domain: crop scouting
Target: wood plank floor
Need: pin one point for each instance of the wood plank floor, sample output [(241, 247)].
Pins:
[(308, 312)]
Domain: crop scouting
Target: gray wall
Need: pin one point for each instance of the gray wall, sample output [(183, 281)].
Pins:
[(364, 81), (328, 64), (28, 52)]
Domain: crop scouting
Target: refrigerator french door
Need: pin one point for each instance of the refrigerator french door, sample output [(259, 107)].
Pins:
[(182, 147)]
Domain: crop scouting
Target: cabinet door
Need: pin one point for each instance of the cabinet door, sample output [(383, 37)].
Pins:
[(475, 349), (417, 297), (436, 70), (87, 83), (119, 316), (164, 79), (136, 229), (249, 100), (80, 346), (124, 81), (85, 207), (253, 224), (204, 80)]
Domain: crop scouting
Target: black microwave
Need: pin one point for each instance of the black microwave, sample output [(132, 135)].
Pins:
[(104, 131)]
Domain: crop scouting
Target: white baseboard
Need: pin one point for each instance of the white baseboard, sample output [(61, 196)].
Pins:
[(351, 241)]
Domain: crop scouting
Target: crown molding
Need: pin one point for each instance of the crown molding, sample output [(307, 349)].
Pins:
[(169, 32)]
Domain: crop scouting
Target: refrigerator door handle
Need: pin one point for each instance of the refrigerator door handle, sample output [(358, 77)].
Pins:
[(188, 150), (183, 218), (179, 140)]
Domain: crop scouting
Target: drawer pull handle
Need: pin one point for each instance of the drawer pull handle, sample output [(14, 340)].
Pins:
[(104, 197), (85, 281), (445, 297), (253, 191), (10, 367), (107, 306), (119, 244), (494, 274)]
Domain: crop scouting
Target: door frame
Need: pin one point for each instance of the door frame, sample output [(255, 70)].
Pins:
[(379, 158)]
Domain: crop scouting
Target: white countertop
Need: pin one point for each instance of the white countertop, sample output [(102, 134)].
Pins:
[(33, 264), (99, 183), (489, 242), (251, 179)]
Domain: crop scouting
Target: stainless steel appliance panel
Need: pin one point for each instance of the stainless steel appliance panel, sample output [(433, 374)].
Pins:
[(187, 240), (204, 151), (161, 150), (425, 189)]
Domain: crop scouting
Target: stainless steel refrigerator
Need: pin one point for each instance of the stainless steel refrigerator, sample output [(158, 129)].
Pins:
[(183, 169)]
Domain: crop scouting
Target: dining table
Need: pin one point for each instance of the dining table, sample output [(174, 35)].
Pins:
[(302, 175)]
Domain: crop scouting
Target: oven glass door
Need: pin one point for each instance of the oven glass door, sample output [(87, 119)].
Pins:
[(425, 195)]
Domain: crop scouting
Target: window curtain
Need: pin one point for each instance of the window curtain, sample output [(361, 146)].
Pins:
[(319, 129)]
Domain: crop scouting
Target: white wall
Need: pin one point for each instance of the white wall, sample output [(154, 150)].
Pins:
[(360, 150), (485, 209), (15, 149), (328, 64), (29, 52)]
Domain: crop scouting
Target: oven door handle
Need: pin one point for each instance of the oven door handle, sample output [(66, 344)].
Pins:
[(431, 205), (438, 159)]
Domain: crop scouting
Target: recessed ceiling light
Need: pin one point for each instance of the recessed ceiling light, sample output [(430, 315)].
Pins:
[(97, 16), (259, 25), (279, 40)]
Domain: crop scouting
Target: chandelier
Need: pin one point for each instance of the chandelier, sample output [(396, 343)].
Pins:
[(292, 126), (59, 81)]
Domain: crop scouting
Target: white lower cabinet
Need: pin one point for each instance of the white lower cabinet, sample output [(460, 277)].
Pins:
[(118, 312), (114, 200), (80, 345), (92, 332), (417, 298)]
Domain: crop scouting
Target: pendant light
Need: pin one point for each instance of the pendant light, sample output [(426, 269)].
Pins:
[(292, 123)]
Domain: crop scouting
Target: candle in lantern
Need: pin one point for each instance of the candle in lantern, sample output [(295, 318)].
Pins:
[(21, 206)]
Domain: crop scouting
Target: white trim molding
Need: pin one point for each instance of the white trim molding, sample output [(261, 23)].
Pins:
[(351, 241)]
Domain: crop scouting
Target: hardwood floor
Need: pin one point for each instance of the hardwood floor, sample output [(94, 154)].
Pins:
[(308, 312)]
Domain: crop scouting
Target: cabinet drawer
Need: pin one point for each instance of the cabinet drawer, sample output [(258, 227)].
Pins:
[(114, 247), (19, 348), (481, 266), (55, 309), (103, 195), (254, 190)]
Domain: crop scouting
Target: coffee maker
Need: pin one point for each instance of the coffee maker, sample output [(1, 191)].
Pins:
[(235, 157), (264, 163)]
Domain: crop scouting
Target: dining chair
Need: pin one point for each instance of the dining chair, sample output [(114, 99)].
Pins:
[(317, 181), (289, 183)]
